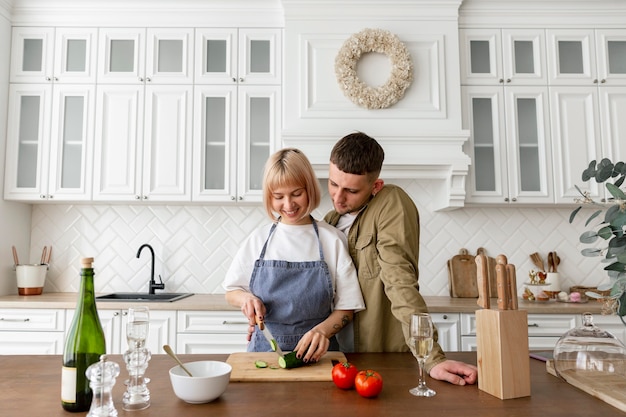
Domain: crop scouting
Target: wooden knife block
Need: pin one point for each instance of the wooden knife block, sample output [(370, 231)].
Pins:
[(502, 352)]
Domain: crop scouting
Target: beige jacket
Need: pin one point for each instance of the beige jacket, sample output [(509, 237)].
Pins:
[(384, 245)]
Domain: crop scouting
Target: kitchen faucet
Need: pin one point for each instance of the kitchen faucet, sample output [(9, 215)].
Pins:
[(153, 284)]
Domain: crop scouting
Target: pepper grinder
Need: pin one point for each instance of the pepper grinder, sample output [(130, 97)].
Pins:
[(101, 377)]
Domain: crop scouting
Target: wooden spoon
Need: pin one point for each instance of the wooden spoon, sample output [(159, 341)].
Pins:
[(536, 258), (170, 352), (557, 261)]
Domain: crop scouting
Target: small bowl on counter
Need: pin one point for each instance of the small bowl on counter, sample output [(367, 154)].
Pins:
[(209, 381)]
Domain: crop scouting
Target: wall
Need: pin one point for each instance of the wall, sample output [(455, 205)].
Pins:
[(14, 217), (195, 244)]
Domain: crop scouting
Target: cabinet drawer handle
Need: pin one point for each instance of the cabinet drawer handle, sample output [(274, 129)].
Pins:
[(533, 325), (14, 320), (234, 322)]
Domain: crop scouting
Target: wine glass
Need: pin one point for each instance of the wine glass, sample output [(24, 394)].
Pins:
[(422, 332), (137, 326)]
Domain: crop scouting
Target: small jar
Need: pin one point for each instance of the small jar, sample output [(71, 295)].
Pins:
[(589, 349)]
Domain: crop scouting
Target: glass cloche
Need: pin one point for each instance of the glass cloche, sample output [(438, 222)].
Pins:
[(589, 349)]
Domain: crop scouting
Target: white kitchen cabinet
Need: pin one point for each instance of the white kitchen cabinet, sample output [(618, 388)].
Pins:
[(586, 57), (236, 130), (143, 143), (448, 330), (53, 55), (32, 331), (49, 142), (211, 332), (503, 57), (544, 330), (140, 56), (243, 56), (509, 144), (162, 329)]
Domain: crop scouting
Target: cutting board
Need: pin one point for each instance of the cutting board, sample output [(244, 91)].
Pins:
[(244, 369), (608, 387), (462, 275)]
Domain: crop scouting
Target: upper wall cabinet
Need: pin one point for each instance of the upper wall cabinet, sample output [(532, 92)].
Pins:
[(139, 55), (503, 56), (586, 56), (62, 55), (238, 56)]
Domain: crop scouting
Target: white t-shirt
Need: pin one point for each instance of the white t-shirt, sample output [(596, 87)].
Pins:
[(296, 244)]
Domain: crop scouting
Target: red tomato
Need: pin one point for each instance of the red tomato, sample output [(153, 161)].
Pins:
[(344, 374), (368, 383)]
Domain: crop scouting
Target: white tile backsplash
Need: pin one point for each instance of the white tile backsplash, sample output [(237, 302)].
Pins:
[(194, 244)]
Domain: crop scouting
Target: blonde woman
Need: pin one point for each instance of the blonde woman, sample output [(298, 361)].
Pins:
[(295, 274)]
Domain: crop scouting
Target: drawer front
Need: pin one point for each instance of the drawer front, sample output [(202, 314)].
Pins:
[(211, 343), (212, 322), (32, 343), (32, 320)]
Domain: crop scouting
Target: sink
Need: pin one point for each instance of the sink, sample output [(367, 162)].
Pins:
[(143, 297)]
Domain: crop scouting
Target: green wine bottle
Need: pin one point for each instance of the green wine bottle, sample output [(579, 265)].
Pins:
[(83, 346)]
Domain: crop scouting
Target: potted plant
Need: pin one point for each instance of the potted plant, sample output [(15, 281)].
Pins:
[(612, 229)]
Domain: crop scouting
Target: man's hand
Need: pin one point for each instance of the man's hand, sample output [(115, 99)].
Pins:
[(455, 372)]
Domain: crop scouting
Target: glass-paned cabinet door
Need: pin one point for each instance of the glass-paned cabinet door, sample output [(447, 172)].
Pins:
[(258, 133), (215, 143), (260, 56), (62, 55), (169, 56), (571, 57), (216, 56), (529, 153), (576, 140), (481, 56), (483, 113), (121, 55), (611, 48), (27, 150), (71, 142)]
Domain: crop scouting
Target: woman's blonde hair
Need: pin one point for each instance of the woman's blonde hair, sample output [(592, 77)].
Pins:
[(290, 167)]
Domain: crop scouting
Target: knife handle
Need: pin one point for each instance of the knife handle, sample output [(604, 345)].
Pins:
[(512, 286), (260, 323), (482, 279), (502, 286)]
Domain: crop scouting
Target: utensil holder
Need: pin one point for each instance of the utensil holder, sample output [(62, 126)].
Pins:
[(502, 352), (31, 278)]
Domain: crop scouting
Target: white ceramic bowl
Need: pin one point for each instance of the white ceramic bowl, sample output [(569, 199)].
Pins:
[(209, 381)]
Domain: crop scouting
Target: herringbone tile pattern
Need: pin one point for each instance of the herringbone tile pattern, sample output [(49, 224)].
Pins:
[(194, 244)]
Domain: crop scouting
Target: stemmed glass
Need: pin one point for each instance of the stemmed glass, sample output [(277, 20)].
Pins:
[(422, 332), (137, 326)]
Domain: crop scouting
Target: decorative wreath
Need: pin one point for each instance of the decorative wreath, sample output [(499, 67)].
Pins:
[(384, 42)]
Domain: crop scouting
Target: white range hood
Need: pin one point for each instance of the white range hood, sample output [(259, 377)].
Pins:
[(422, 133)]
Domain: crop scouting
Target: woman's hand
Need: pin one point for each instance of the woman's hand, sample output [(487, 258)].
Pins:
[(251, 306), (312, 346)]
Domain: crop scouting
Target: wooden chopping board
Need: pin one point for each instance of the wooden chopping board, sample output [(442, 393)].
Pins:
[(609, 387), (244, 369), (462, 275)]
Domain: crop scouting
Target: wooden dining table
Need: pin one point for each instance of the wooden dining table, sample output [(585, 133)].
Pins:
[(30, 386)]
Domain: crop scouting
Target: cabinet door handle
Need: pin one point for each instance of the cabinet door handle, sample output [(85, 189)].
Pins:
[(514, 199), (234, 322), (15, 320), (533, 325), (602, 81), (240, 80)]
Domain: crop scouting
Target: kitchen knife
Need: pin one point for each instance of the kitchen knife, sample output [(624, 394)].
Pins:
[(482, 279), (502, 283), (268, 335), (512, 286)]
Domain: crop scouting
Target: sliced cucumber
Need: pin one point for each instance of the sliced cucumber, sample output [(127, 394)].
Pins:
[(274, 345), (260, 364)]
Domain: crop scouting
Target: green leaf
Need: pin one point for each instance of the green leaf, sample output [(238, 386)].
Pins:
[(618, 242), (593, 216), (604, 172), (588, 237), (591, 252), (615, 191), (622, 257), (605, 233), (616, 266), (621, 311), (574, 212), (619, 181)]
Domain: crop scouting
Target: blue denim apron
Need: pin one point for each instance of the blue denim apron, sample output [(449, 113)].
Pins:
[(297, 297)]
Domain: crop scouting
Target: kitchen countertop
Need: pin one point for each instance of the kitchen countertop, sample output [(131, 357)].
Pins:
[(30, 387), (217, 302)]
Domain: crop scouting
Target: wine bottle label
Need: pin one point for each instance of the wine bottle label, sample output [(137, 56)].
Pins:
[(68, 385)]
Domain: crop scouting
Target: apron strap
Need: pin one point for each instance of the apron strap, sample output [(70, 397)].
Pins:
[(317, 233)]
